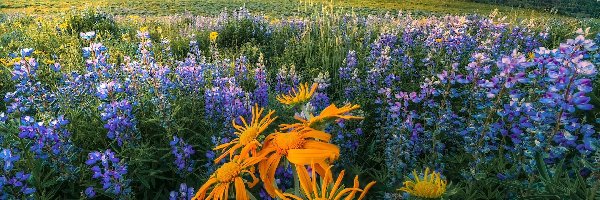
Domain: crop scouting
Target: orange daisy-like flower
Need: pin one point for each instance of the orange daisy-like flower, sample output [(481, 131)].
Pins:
[(329, 190), (299, 147), (227, 174), (318, 122), (300, 96), (247, 134)]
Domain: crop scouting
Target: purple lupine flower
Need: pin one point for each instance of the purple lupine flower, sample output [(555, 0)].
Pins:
[(89, 192), (261, 93), (182, 153), (9, 159), (184, 193), (111, 172), (120, 122)]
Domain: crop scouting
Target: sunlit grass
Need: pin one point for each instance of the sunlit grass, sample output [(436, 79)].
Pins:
[(273, 8)]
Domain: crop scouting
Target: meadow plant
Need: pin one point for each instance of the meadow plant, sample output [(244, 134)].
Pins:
[(186, 106)]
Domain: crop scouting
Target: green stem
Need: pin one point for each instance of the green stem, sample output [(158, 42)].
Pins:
[(490, 113), (296, 181)]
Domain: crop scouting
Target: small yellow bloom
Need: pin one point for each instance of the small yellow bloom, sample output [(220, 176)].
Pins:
[(134, 18), (438, 40), (213, 36), (48, 61), (328, 190), (430, 185), (531, 55), (300, 96), (144, 29), (247, 135), (125, 37), (63, 26), (16, 60), (4, 62)]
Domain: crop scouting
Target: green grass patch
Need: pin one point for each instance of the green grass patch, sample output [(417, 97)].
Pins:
[(273, 8)]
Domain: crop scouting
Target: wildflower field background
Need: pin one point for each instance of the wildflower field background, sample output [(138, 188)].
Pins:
[(265, 99)]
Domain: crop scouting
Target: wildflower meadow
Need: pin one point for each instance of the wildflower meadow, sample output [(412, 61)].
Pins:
[(320, 103)]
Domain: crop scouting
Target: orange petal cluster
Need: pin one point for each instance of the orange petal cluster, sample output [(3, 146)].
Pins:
[(301, 144)]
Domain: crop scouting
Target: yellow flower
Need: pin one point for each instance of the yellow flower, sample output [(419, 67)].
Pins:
[(438, 40), (329, 190), (297, 97), (227, 174), (430, 185), (125, 37), (531, 55), (213, 36), (144, 29), (16, 60), (299, 147), (274, 21), (4, 62), (63, 26), (48, 61), (134, 18), (246, 135), (318, 122)]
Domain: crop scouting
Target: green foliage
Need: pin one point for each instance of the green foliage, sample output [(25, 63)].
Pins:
[(579, 8), (92, 20), (237, 33)]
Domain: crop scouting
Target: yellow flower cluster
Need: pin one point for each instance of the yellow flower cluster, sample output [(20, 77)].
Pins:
[(301, 144), (5, 62)]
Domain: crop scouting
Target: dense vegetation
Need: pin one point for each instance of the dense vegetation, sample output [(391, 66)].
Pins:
[(280, 8), (131, 107), (580, 8)]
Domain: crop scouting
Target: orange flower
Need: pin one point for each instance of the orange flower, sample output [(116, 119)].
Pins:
[(319, 122), (328, 190), (299, 147), (300, 96), (247, 135), (227, 174)]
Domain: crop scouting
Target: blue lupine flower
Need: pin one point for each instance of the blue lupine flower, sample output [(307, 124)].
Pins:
[(26, 52), (182, 153), (111, 172), (184, 193), (89, 192), (88, 35)]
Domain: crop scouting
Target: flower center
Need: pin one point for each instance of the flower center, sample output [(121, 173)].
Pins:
[(228, 172), (249, 135), (426, 189), (287, 141)]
